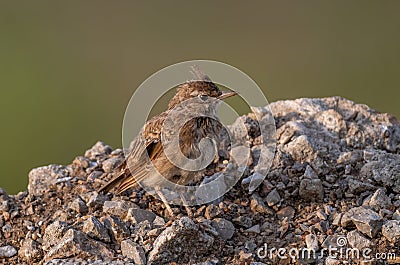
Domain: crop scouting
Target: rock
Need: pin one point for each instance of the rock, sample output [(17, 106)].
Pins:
[(61, 215), (110, 164), (243, 221), (53, 234), (245, 256), (133, 251), (284, 227), (224, 228), (7, 252), (137, 215), (391, 230), (76, 244), (266, 187), (95, 229), (357, 187), (30, 251), (41, 179), (386, 214), (310, 173), (158, 222), (183, 232), (386, 170), (337, 219), (321, 215), (332, 261), (322, 226), (80, 162), (286, 212), (346, 218), (117, 229), (396, 215), (7, 230), (97, 200), (328, 210), (94, 176), (155, 232), (273, 198), (367, 221), (98, 149), (252, 181), (350, 157), (312, 242), (76, 261), (311, 189), (258, 206), (358, 241), (4, 204), (208, 262), (79, 206), (254, 229), (212, 211), (118, 208), (379, 200), (301, 149), (250, 245), (394, 260), (334, 241)]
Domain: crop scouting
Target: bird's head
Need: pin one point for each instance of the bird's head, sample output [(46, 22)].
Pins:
[(202, 88)]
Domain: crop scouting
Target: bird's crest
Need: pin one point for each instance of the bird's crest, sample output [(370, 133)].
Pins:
[(198, 74)]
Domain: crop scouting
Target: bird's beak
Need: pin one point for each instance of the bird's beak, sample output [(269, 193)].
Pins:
[(227, 95)]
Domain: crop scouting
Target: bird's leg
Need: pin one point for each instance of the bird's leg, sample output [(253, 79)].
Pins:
[(187, 208), (164, 200), (168, 207)]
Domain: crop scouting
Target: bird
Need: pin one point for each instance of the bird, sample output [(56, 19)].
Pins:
[(194, 96)]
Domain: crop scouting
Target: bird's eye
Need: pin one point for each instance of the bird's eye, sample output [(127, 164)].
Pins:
[(203, 97)]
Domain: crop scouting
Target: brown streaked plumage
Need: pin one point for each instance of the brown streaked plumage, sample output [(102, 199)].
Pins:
[(135, 169)]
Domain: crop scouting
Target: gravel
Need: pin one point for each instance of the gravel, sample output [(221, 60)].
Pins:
[(335, 179)]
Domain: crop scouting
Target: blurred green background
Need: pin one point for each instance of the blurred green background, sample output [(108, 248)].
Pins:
[(68, 68)]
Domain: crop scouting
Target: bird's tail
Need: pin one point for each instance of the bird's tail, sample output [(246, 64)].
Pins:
[(117, 180), (114, 182), (124, 180)]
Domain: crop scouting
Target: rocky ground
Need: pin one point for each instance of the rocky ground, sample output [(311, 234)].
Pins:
[(334, 183)]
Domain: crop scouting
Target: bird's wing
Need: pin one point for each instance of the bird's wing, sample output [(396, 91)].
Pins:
[(145, 148), (138, 164)]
